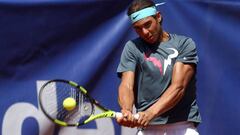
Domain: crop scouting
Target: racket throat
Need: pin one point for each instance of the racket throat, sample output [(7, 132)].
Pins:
[(108, 114)]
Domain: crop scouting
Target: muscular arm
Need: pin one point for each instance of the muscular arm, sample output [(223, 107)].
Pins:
[(125, 91), (126, 99), (182, 74)]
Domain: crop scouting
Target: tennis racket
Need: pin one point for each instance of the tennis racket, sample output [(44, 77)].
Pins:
[(78, 111)]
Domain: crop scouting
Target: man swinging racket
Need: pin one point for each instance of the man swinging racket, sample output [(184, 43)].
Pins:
[(157, 71)]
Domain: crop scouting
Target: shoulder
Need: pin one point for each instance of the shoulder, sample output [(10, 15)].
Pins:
[(181, 38), (182, 41), (136, 43)]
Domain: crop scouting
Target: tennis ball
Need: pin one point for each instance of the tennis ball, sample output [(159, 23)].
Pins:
[(69, 103)]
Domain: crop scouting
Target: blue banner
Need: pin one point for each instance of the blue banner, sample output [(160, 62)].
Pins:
[(82, 41)]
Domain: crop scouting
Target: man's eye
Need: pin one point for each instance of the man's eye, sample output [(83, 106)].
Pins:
[(147, 25), (137, 28)]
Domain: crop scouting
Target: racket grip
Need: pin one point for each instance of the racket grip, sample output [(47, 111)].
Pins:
[(119, 115)]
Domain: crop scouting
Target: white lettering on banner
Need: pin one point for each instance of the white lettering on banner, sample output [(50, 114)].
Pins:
[(18, 112)]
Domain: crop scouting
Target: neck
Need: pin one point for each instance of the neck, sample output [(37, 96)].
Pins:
[(164, 36)]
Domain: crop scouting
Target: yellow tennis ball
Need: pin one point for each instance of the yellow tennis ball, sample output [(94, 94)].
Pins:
[(69, 103)]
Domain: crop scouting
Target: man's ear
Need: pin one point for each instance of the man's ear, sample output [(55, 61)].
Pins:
[(159, 17)]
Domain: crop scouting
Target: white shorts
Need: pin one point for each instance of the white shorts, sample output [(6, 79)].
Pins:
[(179, 128)]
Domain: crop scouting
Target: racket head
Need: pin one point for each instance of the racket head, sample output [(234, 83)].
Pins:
[(51, 97)]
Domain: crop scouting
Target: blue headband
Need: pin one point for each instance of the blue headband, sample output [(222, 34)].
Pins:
[(136, 16)]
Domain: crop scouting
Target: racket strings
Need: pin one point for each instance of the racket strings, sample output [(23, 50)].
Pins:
[(55, 93)]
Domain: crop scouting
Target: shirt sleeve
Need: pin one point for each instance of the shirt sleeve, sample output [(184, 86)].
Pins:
[(188, 52), (128, 59)]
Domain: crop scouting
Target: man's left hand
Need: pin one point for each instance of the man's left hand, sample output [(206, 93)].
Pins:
[(144, 118)]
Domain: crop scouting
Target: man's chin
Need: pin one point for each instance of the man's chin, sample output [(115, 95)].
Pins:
[(151, 41)]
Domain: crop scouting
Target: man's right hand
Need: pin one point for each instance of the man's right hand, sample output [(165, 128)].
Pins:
[(127, 120)]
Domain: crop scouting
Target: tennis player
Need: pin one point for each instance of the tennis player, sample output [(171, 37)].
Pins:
[(157, 71)]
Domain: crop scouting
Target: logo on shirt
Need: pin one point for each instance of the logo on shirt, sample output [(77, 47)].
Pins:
[(168, 61), (157, 63)]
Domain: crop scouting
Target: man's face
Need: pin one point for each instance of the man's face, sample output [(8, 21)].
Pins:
[(149, 29)]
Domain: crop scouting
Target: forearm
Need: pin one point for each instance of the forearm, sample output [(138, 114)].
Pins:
[(126, 97), (167, 101), (125, 91), (182, 74)]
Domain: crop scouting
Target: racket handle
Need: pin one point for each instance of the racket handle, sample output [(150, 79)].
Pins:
[(136, 116), (119, 115)]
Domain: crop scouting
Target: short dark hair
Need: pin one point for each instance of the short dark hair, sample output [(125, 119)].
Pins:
[(137, 5)]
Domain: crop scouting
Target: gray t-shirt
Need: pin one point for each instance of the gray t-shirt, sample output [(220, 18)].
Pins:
[(153, 65)]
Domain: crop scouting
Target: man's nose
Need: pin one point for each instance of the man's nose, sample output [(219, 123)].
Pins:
[(145, 31)]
